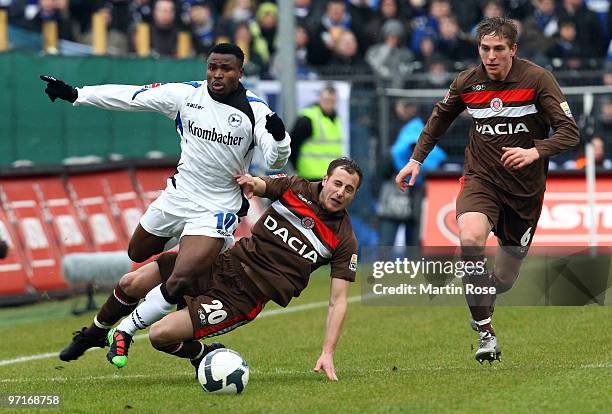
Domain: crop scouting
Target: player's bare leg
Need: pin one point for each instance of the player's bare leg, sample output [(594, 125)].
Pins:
[(121, 302), (174, 335), (195, 258), (474, 228), (143, 245)]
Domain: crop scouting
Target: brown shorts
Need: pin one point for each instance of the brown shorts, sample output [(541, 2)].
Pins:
[(514, 219), (219, 302)]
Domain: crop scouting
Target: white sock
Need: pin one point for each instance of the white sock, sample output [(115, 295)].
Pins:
[(148, 312)]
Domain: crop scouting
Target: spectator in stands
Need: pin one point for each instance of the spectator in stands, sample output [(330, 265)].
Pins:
[(599, 153), (404, 144), (345, 58), (565, 53), (116, 41), (164, 34), (31, 16), (437, 73), (141, 11), (253, 62), (427, 48), (468, 13), (362, 12), (518, 9), (332, 24), (490, 8), (234, 13), (452, 43), (603, 126), (415, 9), (264, 32), (429, 25), (306, 13), (389, 9), (538, 31), (589, 34), (303, 52), (391, 60), (317, 136), (202, 25)]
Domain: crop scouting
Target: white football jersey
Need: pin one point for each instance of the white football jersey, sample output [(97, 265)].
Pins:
[(217, 136)]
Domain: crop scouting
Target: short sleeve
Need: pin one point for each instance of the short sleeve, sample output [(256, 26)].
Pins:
[(344, 259)]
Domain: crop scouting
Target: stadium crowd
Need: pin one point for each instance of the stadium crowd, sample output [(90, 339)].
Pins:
[(341, 37)]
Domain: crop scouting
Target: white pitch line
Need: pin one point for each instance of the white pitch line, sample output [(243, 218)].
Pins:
[(277, 371), (273, 312)]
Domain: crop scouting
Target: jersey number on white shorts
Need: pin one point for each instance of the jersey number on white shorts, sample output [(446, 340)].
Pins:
[(225, 221)]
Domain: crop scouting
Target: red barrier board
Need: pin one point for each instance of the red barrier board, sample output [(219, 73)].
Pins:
[(564, 221), (12, 268), (40, 248), (90, 193)]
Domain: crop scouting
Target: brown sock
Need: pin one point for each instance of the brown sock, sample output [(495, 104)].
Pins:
[(189, 349), (479, 304), (118, 305)]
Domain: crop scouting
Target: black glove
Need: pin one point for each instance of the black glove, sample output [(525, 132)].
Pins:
[(59, 89), (275, 126)]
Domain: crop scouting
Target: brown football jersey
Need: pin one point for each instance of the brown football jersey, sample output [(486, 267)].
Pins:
[(516, 112), (295, 236)]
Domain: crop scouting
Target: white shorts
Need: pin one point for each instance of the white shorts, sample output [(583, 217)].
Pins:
[(169, 216)]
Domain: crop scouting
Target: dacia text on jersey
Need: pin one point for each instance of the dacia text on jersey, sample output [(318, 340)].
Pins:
[(501, 129), (213, 135)]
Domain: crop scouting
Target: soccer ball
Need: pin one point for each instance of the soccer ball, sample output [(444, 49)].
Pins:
[(223, 371)]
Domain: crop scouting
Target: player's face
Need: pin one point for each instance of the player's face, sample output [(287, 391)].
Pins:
[(223, 74), (496, 55), (339, 190)]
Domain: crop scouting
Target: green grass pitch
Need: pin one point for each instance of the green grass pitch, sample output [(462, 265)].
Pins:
[(389, 360)]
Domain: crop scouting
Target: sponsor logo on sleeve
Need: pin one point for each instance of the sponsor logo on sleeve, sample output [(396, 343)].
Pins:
[(566, 109), (353, 263), (277, 175), (446, 97)]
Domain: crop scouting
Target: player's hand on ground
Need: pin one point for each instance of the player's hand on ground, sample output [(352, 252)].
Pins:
[(326, 363), (275, 126), (247, 183), (516, 158), (57, 88), (410, 170)]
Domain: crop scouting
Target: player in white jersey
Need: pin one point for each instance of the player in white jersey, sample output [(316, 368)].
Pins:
[(219, 123)]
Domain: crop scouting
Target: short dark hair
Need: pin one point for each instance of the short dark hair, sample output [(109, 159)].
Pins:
[(498, 26), (348, 165), (228, 49)]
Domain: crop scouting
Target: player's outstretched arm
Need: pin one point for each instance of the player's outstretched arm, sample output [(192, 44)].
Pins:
[(411, 169), (159, 97), (57, 88), (335, 319)]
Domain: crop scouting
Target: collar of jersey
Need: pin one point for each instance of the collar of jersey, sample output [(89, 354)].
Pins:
[(229, 98)]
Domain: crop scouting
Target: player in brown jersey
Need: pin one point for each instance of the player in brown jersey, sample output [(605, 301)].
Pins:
[(513, 104), (307, 226)]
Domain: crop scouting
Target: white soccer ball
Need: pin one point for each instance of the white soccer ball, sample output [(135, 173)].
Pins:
[(223, 371)]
